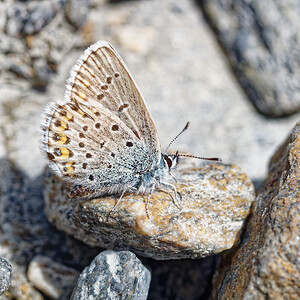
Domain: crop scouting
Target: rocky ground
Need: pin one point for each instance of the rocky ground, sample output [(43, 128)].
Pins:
[(232, 70)]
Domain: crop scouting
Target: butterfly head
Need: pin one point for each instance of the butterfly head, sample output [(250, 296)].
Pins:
[(170, 160)]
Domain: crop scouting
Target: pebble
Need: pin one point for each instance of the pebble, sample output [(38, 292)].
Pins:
[(52, 278), (113, 275)]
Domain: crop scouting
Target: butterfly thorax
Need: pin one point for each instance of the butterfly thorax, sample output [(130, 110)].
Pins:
[(156, 175)]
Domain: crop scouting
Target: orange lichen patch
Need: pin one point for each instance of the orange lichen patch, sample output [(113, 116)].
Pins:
[(219, 183), (220, 167)]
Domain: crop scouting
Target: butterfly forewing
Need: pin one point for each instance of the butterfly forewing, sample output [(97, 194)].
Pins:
[(102, 78), (101, 134)]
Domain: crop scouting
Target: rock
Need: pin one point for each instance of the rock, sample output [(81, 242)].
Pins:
[(77, 17), (183, 77), (266, 263), (30, 17), (5, 275), (53, 279), (113, 275), (216, 199), (35, 37), (262, 40)]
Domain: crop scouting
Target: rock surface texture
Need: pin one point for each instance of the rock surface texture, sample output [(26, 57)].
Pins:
[(262, 41), (113, 275), (266, 263), (215, 201), (5, 275)]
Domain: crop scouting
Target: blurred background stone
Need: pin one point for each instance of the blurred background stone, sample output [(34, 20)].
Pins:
[(53, 279), (113, 275), (215, 201), (262, 42), (265, 265)]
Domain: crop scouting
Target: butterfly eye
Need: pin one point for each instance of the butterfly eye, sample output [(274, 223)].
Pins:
[(168, 161)]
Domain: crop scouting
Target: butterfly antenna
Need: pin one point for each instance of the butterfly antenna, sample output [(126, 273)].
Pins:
[(176, 137), (199, 157)]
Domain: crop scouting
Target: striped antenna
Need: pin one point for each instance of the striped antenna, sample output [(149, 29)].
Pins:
[(176, 137)]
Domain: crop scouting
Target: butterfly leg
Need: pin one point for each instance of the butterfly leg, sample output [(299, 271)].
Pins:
[(176, 202), (118, 201), (147, 203), (173, 176)]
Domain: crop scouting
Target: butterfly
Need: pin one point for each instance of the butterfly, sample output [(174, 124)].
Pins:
[(101, 137)]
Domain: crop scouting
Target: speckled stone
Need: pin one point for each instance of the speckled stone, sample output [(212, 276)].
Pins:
[(5, 275), (113, 275), (266, 264), (215, 200), (52, 278), (262, 41)]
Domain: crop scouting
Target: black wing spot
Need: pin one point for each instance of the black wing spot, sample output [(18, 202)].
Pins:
[(115, 127)]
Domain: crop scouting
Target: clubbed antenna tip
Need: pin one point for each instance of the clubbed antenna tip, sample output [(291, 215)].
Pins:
[(175, 138)]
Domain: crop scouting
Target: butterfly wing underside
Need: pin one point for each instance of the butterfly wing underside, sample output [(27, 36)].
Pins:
[(101, 134)]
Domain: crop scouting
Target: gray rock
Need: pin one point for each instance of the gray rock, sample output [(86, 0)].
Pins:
[(77, 12), (34, 37), (5, 275), (262, 41), (182, 75), (113, 275), (30, 17)]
